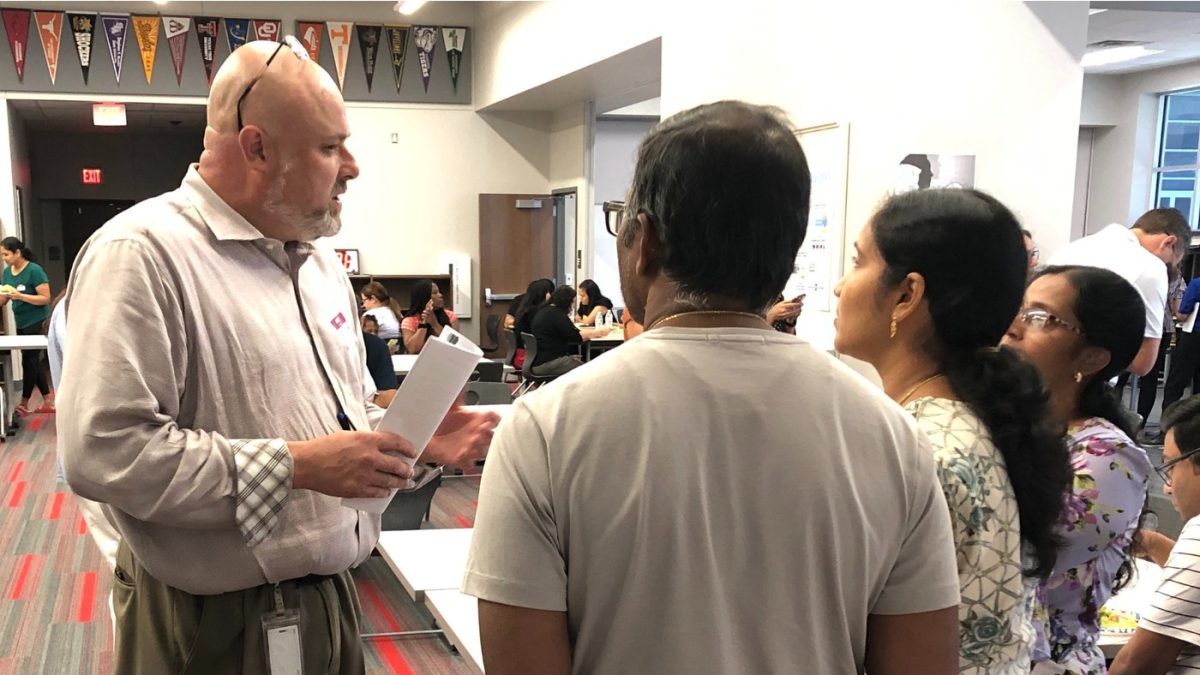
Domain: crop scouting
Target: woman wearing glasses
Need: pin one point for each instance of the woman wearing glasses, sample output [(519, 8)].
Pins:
[(937, 278), (1081, 326)]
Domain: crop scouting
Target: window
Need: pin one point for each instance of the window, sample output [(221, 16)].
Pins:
[(1178, 154)]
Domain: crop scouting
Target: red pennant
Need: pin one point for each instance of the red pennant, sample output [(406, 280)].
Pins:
[(16, 24)]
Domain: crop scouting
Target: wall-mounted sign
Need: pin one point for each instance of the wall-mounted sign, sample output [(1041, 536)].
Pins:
[(349, 258), (93, 177)]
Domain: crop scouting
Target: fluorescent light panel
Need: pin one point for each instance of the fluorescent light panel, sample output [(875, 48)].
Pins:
[(108, 114), (409, 6), (1106, 57)]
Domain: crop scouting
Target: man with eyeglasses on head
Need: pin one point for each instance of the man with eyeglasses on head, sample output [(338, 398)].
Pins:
[(215, 395), (1167, 639)]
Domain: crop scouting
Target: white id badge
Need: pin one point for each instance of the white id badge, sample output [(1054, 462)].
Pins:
[(281, 629)]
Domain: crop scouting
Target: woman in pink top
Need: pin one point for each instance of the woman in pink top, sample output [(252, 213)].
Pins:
[(426, 317)]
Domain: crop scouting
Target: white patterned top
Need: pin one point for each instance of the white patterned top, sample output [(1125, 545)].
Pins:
[(996, 635)]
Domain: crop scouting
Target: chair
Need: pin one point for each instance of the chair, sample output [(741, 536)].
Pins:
[(488, 371), (493, 333), (529, 381), (408, 509), (510, 336), (488, 393)]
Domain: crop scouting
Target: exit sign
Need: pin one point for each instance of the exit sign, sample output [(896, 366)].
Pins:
[(93, 176)]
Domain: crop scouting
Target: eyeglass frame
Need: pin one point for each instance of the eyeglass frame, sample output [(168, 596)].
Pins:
[(1050, 319), (296, 48), (611, 223), (1164, 470)]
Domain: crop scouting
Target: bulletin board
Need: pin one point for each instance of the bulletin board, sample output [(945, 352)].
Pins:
[(819, 261)]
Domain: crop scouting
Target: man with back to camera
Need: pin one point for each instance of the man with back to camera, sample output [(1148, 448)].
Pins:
[(757, 508), (214, 392), (1140, 255)]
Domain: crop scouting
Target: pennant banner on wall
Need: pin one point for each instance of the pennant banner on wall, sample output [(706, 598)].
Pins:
[(236, 31), (426, 39), (49, 25), (310, 36), (176, 30), (116, 29), (454, 37), (339, 42), (265, 29), (82, 28), (397, 37), (368, 41), (206, 32), (145, 28), (16, 24)]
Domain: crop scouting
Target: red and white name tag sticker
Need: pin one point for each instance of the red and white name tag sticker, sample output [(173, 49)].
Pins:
[(338, 321)]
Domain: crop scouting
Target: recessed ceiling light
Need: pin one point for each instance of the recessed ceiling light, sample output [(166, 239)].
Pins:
[(409, 6), (1106, 57), (1093, 12)]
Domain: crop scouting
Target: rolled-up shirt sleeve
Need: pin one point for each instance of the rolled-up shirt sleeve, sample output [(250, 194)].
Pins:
[(125, 365)]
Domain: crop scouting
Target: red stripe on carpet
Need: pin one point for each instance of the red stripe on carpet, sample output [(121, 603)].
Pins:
[(82, 525), (12, 477), (18, 588), (387, 648), (368, 589), (56, 505), (463, 522), (18, 494), (392, 657), (87, 596), (37, 423), (475, 503)]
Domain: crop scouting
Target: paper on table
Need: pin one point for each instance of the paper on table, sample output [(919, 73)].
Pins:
[(424, 398)]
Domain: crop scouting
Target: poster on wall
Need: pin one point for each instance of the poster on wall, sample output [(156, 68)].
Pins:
[(426, 39), (339, 42), (368, 42), (921, 172), (265, 29), (236, 31), (397, 37), (176, 29), (83, 27), (49, 25), (116, 29), (818, 262), (16, 25), (207, 28), (145, 28), (310, 36), (454, 37)]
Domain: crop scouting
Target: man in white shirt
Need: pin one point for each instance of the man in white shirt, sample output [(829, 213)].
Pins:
[(1167, 639), (714, 496), (1140, 254)]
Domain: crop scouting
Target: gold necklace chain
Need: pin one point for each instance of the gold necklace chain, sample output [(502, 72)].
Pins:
[(709, 312), (918, 385)]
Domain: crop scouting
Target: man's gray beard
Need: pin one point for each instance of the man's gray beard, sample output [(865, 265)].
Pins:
[(312, 225)]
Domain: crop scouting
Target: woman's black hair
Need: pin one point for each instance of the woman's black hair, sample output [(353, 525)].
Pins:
[(533, 300), (17, 246), (593, 291), (970, 251), (563, 297), (421, 293), (1112, 316)]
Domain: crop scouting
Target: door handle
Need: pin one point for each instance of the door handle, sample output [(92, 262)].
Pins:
[(489, 297)]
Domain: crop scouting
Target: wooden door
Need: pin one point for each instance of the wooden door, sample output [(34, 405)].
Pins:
[(516, 246)]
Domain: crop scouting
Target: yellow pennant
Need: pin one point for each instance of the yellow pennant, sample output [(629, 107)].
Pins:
[(146, 28)]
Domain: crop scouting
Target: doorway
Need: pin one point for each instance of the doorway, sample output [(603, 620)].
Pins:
[(568, 259), (80, 219)]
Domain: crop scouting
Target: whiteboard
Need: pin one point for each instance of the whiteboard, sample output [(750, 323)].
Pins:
[(819, 261)]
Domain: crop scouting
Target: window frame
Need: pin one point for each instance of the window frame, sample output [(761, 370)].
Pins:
[(1160, 168)]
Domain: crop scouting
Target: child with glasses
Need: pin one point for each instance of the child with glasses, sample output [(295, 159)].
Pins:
[(1168, 636)]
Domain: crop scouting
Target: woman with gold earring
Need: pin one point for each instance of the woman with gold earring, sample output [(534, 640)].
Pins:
[(937, 278), (1082, 326)]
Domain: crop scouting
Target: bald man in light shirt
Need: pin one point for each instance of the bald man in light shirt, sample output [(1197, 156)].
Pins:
[(214, 380)]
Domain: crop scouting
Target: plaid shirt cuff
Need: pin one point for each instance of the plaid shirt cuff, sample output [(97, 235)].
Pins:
[(264, 481)]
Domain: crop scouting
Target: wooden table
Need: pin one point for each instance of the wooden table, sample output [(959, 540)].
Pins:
[(1134, 599), (458, 615), (613, 339), (426, 560)]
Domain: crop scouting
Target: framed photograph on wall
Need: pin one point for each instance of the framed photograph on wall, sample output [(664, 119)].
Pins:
[(349, 258)]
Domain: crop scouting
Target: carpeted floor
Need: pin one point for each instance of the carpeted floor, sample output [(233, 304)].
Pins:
[(53, 613)]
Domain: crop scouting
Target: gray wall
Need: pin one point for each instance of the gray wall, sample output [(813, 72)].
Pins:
[(102, 79), (614, 156)]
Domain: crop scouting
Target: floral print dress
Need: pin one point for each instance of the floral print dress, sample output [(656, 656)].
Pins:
[(1101, 517), (995, 635)]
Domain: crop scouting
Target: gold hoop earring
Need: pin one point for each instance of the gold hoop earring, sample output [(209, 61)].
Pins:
[(1078, 377), (892, 334)]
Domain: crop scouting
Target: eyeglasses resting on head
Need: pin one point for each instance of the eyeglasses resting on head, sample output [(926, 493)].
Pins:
[(296, 48)]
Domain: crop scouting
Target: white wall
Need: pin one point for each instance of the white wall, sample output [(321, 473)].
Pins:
[(614, 158), (417, 200), (1123, 157)]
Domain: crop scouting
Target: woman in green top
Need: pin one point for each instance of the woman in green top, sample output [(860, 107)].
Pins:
[(26, 284)]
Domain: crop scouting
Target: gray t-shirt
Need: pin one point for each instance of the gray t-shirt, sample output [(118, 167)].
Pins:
[(720, 500)]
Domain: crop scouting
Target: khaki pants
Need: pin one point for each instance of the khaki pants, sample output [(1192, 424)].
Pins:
[(160, 629)]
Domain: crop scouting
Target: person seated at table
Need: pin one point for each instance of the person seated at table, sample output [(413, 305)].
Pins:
[(379, 364), (937, 277), (515, 306), (535, 297), (1167, 639), (383, 308), (592, 303), (427, 316), (558, 338), (1081, 326), (370, 325)]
